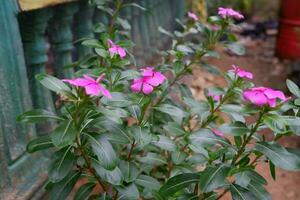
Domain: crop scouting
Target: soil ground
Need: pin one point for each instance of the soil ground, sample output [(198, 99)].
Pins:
[(268, 71)]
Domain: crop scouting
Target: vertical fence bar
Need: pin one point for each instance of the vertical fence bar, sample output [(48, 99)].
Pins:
[(33, 26), (83, 26), (61, 38)]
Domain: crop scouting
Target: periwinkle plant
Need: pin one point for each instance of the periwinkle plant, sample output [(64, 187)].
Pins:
[(120, 130)]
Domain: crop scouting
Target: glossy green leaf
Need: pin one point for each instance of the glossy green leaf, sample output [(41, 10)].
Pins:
[(39, 143), (236, 129), (153, 159), (53, 83), (129, 170), (293, 88), (236, 48), (64, 134), (84, 191), (129, 192), (61, 165), (178, 157), (259, 191), (37, 115), (213, 178), (176, 113), (147, 182), (61, 190), (165, 143), (113, 176), (174, 129), (279, 155), (118, 100), (240, 193), (104, 151), (178, 183), (275, 123), (206, 137)]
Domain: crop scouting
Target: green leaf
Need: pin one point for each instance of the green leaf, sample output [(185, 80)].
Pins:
[(210, 68), (240, 193), (113, 176), (64, 134), (293, 88), (135, 5), (279, 155), (84, 191), (176, 113), (236, 48), (148, 182), (92, 43), (104, 151), (118, 100), (206, 137), (275, 123), (129, 192), (272, 170), (53, 83), (142, 136), (114, 114), (177, 183), (236, 129), (174, 129), (178, 157), (102, 52), (259, 191), (166, 143), (62, 164), (184, 49), (197, 107), (124, 23), (39, 143), (117, 133), (213, 178), (294, 123), (104, 196), (62, 189), (164, 31), (153, 159), (37, 115), (129, 170)]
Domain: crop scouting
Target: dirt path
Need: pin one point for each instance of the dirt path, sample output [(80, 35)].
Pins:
[(268, 71)]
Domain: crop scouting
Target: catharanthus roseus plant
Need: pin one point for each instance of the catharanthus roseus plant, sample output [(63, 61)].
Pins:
[(127, 132)]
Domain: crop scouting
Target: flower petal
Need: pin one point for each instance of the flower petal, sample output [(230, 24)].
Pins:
[(105, 92), (92, 89), (147, 89), (78, 82), (137, 85)]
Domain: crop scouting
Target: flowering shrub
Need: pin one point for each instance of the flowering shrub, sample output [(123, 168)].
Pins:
[(131, 133)]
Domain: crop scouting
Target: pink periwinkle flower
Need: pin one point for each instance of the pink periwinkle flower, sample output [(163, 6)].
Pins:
[(229, 12), (115, 49), (148, 81), (241, 73), (217, 132), (193, 16), (214, 96), (92, 87), (263, 96)]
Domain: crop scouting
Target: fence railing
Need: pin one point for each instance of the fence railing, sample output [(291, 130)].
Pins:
[(39, 38)]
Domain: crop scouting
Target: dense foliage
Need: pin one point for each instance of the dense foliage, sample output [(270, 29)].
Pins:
[(138, 133)]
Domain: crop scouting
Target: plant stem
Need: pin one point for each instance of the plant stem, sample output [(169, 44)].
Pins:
[(248, 138), (130, 151), (114, 16)]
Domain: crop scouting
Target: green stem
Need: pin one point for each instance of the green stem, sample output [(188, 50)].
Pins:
[(248, 138), (114, 16)]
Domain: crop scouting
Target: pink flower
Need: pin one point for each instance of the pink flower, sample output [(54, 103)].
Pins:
[(115, 49), (217, 132), (263, 96), (193, 16), (149, 80), (91, 86), (229, 12), (214, 96), (241, 73)]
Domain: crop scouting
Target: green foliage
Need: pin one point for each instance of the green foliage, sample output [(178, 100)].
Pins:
[(154, 146)]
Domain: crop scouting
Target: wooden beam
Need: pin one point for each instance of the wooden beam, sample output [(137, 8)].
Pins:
[(26, 5)]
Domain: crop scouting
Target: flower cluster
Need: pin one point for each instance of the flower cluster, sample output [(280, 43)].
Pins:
[(148, 81), (92, 87), (229, 12)]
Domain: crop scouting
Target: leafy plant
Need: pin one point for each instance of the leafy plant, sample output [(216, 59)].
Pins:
[(121, 131)]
